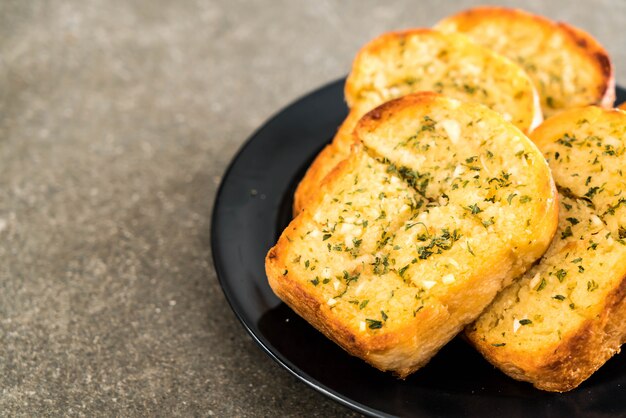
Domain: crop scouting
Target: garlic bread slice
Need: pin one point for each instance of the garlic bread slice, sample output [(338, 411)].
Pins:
[(439, 206), (566, 316)]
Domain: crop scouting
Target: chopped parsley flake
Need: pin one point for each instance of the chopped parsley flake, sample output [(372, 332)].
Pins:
[(488, 222), (350, 278), (373, 323), (470, 249), (510, 197), (438, 243), (566, 140), (592, 191), (474, 209), (381, 265), (541, 285), (402, 271), (567, 233)]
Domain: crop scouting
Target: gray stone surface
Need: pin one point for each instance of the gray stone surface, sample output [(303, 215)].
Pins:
[(117, 120)]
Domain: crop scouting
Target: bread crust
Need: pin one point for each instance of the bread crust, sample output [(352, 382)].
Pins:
[(579, 44), (376, 350), (596, 333), (329, 157), (406, 342), (600, 57)]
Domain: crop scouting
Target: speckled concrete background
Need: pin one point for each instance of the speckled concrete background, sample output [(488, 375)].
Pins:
[(117, 120)]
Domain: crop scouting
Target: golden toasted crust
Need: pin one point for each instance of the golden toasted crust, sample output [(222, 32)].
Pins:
[(569, 67), (595, 52), (564, 318), (622, 106), (398, 63), (415, 232), (329, 157)]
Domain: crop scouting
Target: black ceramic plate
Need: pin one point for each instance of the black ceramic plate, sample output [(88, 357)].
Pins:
[(253, 206)]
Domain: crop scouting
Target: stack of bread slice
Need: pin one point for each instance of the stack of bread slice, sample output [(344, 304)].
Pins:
[(431, 200), (566, 65)]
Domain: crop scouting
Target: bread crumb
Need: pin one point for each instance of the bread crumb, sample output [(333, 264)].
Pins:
[(535, 280), (428, 284), (345, 228), (612, 141), (452, 128), (359, 288), (448, 278)]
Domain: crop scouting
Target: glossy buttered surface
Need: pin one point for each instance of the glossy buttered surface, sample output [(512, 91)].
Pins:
[(252, 207)]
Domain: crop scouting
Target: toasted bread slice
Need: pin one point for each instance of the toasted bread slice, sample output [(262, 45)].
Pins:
[(440, 204), (567, 315), (568, 66), (399, 63), (622, 106)]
